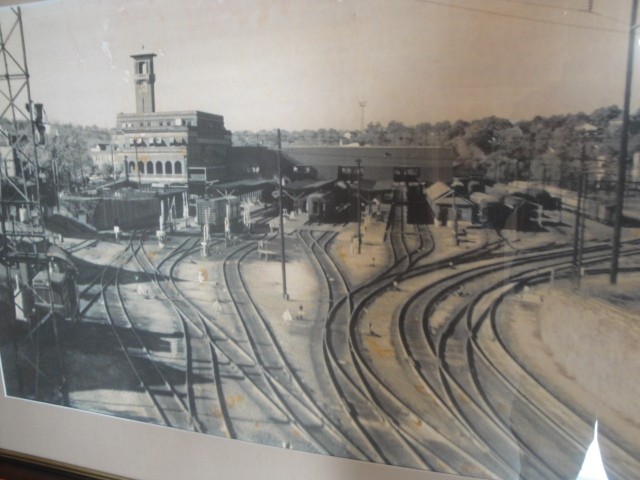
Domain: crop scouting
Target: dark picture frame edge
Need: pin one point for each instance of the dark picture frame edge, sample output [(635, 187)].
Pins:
[(16, 465)]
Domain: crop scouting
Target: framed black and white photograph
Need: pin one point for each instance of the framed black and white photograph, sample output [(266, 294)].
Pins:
[(323, 239)]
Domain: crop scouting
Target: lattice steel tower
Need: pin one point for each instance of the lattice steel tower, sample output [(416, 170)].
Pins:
[(24, 246), (21, 129)]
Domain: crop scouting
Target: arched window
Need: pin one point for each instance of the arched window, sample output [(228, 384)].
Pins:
[(132, 167), (168, 167), (149, 167), (158, 167), (178, 168), (141, 167)]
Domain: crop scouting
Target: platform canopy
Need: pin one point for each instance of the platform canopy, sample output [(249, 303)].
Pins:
[(307, 186), (241, 185)]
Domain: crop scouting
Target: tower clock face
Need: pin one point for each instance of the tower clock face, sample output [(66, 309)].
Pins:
[(143, 87)]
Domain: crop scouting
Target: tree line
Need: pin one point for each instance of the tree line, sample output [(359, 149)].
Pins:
[(553, 149)]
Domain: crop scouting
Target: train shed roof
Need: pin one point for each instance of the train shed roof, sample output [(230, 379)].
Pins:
[(240, 185), (435, 163), (307, 185)]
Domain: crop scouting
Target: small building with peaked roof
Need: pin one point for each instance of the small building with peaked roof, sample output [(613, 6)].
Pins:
[(443, 201)]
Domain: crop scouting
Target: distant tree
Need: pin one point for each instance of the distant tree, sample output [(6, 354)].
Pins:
[(106, 171), (546, 168), (603, 116), (424, 134), (458, 129), (69, 159), (399, 134), (375, 134), (483, 133)]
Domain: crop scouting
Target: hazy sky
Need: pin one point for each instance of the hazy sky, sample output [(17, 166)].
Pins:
[(308, 63)]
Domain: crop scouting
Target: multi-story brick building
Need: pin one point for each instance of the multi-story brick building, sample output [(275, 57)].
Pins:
[(179, 147)]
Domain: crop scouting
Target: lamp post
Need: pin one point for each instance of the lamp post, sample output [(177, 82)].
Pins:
[(358, 163)]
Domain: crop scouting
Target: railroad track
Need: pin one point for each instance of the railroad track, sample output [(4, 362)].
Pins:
[(447, 355), (234, 369), (165, 397), (436, 336), (337, 287), (393, 441), (270, 388), (202, 386), (501, 256), (272, 364), (570, 424)]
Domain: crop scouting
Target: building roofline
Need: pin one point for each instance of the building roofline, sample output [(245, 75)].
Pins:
[(143, 54), (172, 112)]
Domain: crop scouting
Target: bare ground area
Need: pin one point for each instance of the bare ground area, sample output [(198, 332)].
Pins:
[(582, 345)]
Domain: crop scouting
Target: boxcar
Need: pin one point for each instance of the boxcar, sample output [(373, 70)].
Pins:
[(321, 206), (214, 211)]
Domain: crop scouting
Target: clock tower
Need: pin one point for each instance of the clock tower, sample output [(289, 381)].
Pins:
[(145, 79)]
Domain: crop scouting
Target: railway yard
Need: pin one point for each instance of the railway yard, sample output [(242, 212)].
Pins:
[(476, 355)]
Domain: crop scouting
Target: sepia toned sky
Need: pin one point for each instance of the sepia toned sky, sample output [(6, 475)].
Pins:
[(297, 64)]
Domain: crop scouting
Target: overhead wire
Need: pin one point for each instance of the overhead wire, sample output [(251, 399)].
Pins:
[(589, 10), (521, 17)]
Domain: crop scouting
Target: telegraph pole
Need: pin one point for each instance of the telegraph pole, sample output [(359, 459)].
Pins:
[(113, 165), (580, 231), (359, 162), (579, 215), (624, 146), (285, 295)]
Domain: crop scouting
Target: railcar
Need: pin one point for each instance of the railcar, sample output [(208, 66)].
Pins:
[(321, 206), (539, 196), (489, 210), (215, 211), (525, 215)]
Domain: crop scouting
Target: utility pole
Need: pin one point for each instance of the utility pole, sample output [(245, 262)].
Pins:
[(113, 165), (583, 187), (579, 215), (285, 295), (455, 218), (359, 162), (624, 147)]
